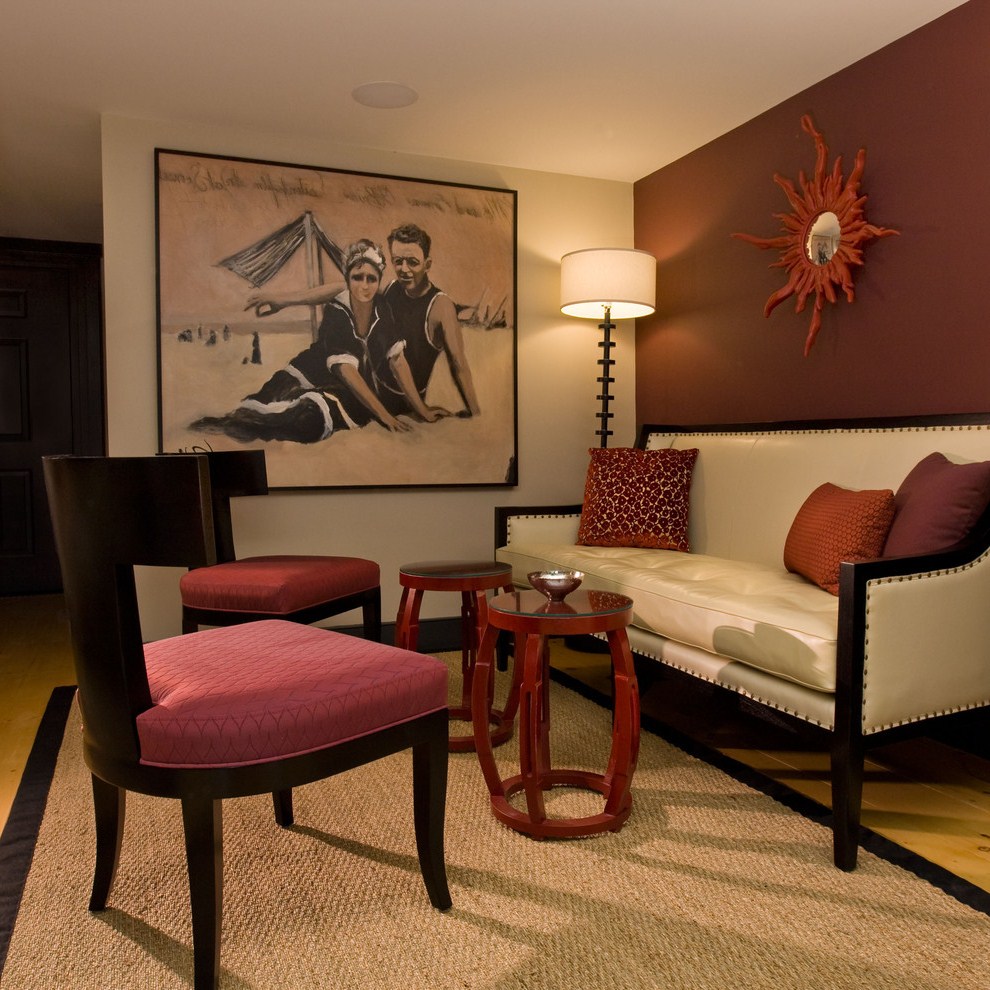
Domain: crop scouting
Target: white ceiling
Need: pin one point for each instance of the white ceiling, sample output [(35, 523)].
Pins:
[(611, 90)]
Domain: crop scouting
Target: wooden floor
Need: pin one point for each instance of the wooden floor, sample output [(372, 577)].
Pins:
[(924, 794), (34, 658)]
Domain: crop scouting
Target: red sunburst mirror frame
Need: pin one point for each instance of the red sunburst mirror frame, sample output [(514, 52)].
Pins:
[(826, 193)]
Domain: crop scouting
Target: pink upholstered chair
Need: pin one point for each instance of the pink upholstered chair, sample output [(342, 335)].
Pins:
[(250, 709), (300, 588)]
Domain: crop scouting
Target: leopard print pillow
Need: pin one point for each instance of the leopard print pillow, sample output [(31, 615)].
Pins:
[(637, 498)]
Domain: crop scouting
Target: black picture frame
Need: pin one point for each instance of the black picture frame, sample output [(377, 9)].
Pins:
[(234, 234)]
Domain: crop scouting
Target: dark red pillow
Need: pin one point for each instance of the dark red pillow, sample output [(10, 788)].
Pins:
[(637, 498), (937, 504), (836, 524)]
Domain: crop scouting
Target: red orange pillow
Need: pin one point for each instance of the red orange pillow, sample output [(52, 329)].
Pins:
[(836, 524), (637, 498)]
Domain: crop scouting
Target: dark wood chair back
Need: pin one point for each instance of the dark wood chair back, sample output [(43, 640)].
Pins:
[(98, 546), (233, 473)]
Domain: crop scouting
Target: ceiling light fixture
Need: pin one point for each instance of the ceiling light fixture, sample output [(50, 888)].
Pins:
[(385, 95)]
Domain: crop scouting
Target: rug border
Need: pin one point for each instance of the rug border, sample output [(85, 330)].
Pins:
[(955, 886), (20, 834)]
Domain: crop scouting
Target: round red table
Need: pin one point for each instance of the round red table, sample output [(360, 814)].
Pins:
[(532, 618), (472, 578)]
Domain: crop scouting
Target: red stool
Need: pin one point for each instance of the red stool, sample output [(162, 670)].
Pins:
[(533, 619), (472, 578)]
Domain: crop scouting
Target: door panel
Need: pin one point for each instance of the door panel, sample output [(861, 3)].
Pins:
[(44, 324)]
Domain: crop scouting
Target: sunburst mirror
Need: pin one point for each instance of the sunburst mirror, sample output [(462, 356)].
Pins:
[(823, 235)]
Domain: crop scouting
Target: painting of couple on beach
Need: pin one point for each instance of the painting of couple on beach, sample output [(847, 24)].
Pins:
[(359, 328)]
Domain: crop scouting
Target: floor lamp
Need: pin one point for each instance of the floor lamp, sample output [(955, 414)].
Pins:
[(601, 283)]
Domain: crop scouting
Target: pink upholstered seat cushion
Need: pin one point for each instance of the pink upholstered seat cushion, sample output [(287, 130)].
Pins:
[(277, 585), (266, 690)]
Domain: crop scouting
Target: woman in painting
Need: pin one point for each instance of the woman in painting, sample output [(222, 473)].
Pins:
[(332, 385)]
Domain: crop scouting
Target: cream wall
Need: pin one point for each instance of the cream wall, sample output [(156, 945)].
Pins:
[(556, 359)]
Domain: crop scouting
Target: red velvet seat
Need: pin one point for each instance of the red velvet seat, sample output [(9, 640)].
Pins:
[(253, 708), (300, 588)]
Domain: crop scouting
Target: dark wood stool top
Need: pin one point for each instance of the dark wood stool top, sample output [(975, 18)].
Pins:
[(455, 575)]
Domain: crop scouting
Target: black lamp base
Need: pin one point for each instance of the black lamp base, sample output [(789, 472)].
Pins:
[(605, 379)]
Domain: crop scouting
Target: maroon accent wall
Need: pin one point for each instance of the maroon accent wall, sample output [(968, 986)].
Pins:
[(917, 337)]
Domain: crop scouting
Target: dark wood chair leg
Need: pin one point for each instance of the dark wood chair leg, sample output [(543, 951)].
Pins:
[(848, 753), (189, 625), (371, 614), (108, 803), (202, 819), (429, 807), (283, 808)]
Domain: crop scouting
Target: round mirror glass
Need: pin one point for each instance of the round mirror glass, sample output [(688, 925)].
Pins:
[(823, 239)]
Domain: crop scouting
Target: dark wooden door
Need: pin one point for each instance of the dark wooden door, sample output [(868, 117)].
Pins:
[(51, 394)]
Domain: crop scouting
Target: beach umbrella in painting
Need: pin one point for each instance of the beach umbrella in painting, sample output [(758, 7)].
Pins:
[(261, 261)]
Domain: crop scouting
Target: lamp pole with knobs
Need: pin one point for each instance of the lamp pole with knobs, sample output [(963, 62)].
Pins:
[(605, 379)]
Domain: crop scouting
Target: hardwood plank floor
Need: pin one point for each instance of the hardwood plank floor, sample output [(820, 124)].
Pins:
[(35, 657), (924, 794)]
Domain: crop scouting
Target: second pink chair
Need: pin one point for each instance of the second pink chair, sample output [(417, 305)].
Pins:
[(297, 587)]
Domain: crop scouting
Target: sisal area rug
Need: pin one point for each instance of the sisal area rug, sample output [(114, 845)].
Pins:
[(711, 884)]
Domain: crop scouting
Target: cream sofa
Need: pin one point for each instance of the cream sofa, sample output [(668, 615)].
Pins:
[(906, 639)]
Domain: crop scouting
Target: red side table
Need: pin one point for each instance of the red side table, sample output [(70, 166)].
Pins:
[(472, 578), (532, 618)]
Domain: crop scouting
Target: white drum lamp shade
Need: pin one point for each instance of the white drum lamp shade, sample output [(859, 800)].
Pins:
[(622, 281)]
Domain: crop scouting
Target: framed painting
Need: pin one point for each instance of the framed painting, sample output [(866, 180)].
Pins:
[(360, 328)]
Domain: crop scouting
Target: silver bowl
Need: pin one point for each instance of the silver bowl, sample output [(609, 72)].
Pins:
[(556, 585)]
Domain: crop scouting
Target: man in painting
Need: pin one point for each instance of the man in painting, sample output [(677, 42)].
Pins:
[(425, 318), (333, 384)]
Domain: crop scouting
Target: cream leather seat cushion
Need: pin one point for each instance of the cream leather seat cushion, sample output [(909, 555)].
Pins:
[(755, 613)]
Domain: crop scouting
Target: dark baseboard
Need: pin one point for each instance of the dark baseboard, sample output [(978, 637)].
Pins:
[(435, 635), (968, 731)]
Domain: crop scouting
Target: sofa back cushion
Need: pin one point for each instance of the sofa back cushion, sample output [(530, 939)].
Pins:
[(747, 486)]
